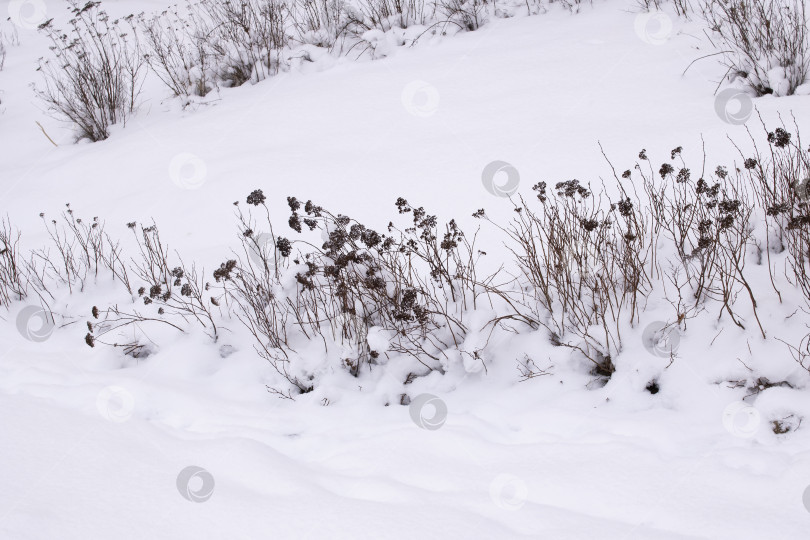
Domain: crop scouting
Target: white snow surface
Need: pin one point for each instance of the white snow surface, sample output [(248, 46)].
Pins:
[(92, 441)]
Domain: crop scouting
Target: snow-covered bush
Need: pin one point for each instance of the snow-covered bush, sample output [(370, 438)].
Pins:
[(589, 264), (95, 76), (235, 41), (585, 267), (13, 281), (467, 14), (246, 36), (239, 41), (320, 22), (178, 52), (176, 291), (387, 14), (416, 285), (764, 43), (781, 179), (335, 295), (592, 264), (709, 223)]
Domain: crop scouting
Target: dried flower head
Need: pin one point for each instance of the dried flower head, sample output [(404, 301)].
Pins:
[(256, 197)]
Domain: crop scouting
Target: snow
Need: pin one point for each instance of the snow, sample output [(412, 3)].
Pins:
[(93, 442)]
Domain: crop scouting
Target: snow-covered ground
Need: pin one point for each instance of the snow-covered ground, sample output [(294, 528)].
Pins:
[(95, 444)]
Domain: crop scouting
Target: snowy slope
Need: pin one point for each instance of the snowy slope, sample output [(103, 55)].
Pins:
[(92, 442)]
